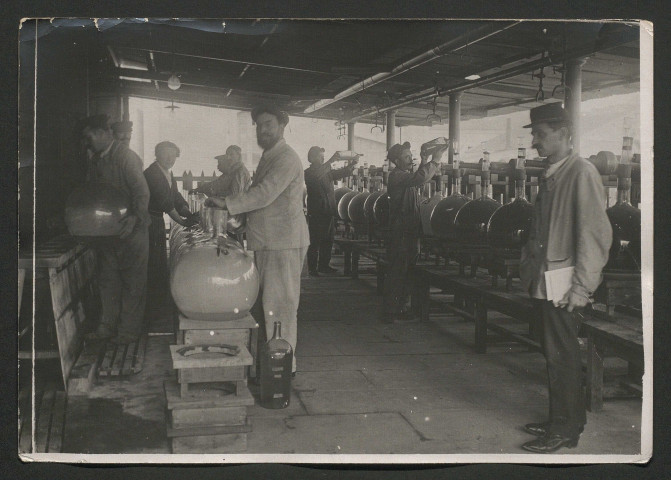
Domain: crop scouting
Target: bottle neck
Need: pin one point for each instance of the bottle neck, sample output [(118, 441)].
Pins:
[(277, 332)]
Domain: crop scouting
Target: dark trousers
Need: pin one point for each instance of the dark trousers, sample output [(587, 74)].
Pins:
[(322, 232), (402, 253), (562, 354), (123, 281), (157, 269)]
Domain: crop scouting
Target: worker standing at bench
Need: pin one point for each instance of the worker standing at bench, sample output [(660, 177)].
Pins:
[(404, 225), (569, 229), (322, 208)]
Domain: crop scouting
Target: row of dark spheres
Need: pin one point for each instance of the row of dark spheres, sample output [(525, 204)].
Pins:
[(484, 221)]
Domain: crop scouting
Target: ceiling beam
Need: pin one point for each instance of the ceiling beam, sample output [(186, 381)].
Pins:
[(451, 46)]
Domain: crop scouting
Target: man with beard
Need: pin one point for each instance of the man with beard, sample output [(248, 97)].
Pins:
[(569, 228), (164, 198), (122, 277), (276, 228), (321, 207)]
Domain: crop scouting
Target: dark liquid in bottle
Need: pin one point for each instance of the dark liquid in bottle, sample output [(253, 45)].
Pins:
[(276, 379)]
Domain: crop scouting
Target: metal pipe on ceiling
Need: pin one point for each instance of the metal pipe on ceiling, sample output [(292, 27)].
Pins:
[(610, 42), (456, 44)]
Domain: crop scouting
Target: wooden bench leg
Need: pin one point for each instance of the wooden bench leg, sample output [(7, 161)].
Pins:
[(480, 326), (594, 376), (380, 278), (347, 269), (355, 264)]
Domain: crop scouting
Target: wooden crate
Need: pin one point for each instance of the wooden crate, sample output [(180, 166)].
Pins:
[(203, 444)]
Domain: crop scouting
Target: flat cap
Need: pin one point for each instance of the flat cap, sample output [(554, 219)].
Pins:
[(165, 144), (282, 116), (124, 126), (314, 151), (395, 151)]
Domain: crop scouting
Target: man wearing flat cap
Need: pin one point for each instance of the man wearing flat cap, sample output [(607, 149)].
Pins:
[(122, 277), (276, 228), (234, 176), (321, 207), (569, 230), (404, 225), (164, 198), (122, 131)]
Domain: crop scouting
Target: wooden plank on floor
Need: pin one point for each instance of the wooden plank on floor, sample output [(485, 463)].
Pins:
[(138, 357), (44, 421), (108, 360), (57, 424), (119, 359), (26, 433), (83, 374)]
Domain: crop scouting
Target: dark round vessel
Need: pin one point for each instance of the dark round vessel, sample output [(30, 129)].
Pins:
[(369, 205), (443, 215), (355, 211), (472, 220), (95, 210), (381, 211), (625, 252), (339, 192), (509, 225), (343, 205)]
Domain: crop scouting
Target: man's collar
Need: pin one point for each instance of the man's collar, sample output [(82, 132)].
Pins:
[(271, 152)]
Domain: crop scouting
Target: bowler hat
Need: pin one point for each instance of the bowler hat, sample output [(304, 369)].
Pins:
[(550, 112)]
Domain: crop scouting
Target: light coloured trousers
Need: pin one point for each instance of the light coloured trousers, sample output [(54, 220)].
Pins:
[(279, 292)]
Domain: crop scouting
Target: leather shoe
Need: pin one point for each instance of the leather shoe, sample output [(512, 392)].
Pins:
[(313, 273), (541, 429), (550, 443), (328, 269)]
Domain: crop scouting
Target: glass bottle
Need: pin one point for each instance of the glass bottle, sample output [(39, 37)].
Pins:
[(276, 363)]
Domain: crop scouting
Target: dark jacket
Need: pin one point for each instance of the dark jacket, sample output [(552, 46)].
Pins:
[(164, 196), (403, 198), (319, 182)]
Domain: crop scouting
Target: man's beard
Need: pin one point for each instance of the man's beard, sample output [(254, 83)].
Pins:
[(266, 142)]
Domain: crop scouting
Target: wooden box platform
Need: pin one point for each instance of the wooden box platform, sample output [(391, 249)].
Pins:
[(203, 444)]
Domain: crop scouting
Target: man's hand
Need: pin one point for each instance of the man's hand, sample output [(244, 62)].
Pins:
[(424, 156), (215, 202), (190, 221), (573, 301), (127, 226)]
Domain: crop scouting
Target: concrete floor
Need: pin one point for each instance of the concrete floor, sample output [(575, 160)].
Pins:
[(364, 387)]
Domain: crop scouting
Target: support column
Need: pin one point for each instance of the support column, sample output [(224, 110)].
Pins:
[(350, 136), (573, 97), (454, 126), (391, 128), (125, 110)]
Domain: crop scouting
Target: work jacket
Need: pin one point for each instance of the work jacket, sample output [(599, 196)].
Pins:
[(164, 195), (120, 167), (319, 182), (569, 228), (274, 202), (404, 199)]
